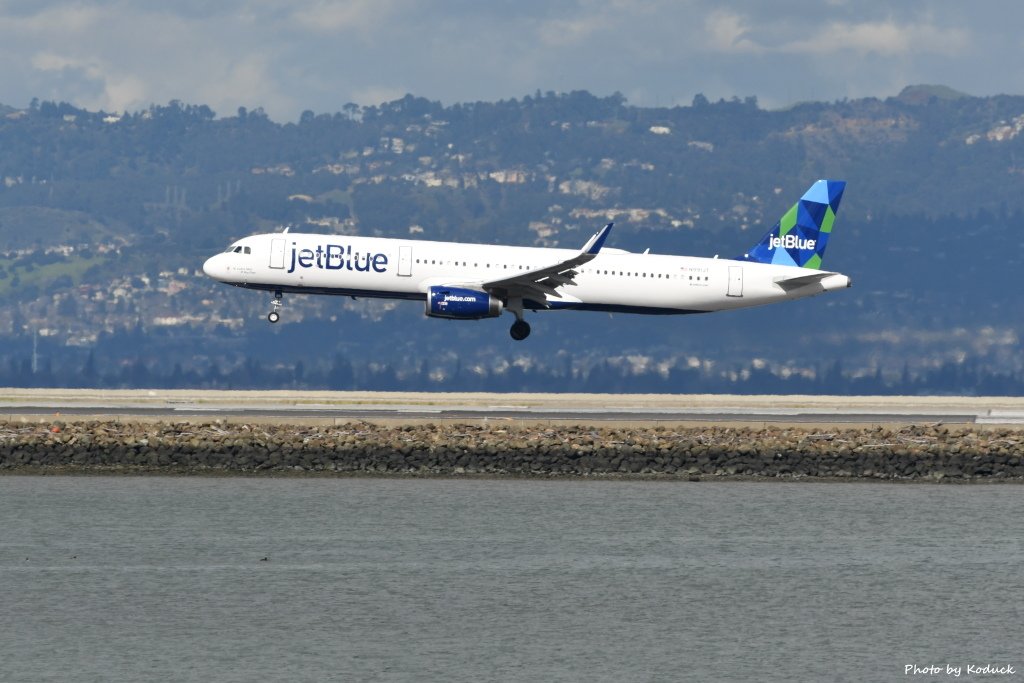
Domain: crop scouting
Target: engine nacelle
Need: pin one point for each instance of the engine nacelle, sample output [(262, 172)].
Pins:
[(461, 304)]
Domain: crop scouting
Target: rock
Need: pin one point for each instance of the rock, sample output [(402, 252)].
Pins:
[(679, 452)]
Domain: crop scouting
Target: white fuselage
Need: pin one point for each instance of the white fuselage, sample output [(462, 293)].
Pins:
[(613, 281)]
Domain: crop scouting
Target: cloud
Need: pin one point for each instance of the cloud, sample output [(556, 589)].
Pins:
[(734, 33), (572, 31), (48, 61), (332, 16), (119, 57), (728, 32), (61, 20), (376, 94), (885, 38), (247, 80), (122, 93), (292, 55)]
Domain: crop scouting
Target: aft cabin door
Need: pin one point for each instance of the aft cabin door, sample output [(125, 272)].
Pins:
[(735, 281), (277, 253), (405, 261)]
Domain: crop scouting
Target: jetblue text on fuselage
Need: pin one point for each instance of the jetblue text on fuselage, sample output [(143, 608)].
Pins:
[(791, 241), (337, 257)]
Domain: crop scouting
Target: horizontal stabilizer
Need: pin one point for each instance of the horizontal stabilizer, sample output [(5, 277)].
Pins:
[(828, 281), (789, 283)]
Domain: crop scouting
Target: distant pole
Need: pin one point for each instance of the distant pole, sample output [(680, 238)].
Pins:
[(35, 351)]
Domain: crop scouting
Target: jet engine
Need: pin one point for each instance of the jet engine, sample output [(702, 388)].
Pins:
[(459, 303)]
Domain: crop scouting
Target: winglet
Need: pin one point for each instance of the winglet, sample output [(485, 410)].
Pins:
[(541, 283), (597, 241)]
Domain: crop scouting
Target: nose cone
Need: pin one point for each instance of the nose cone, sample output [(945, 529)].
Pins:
[(213, 267)]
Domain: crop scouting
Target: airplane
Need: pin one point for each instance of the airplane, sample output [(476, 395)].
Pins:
[(475, 281)]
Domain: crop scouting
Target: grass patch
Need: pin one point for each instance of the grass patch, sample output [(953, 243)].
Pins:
[(40, 276)]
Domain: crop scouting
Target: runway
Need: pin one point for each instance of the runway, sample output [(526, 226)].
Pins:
[(337, 407)]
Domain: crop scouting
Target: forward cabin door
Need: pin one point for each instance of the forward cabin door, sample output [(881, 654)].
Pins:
[(277, 253), (405, 261), (735, 281)]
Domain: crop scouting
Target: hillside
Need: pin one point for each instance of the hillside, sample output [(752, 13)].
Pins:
[(105, 220)]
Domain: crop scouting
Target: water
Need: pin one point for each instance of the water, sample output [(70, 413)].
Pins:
[(162, 579)]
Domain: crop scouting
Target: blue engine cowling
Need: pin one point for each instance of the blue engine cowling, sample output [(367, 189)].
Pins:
[(461, 304)]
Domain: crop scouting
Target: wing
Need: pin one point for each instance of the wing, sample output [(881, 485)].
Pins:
[(541, 283)]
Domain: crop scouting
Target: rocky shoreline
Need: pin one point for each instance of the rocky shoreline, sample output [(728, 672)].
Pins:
[(912, 453)]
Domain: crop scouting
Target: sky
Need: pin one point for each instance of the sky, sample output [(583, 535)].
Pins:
[(288, 56)]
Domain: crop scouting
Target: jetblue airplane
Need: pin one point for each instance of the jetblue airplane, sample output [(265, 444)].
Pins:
[(474, 281)]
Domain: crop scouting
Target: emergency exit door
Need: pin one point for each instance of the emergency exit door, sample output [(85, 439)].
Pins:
[(405, 261), (735, 281)]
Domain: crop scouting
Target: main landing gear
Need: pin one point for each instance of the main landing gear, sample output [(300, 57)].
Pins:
[(520, 328), (274, 314)]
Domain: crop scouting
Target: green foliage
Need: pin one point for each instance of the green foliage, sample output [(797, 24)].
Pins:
[(932, 210), (46, 272), (76, 176)]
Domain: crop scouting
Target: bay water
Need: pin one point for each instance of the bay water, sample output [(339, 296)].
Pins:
[(333, 579)]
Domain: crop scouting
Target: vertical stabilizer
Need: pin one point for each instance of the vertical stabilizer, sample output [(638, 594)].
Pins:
[(801, 235)]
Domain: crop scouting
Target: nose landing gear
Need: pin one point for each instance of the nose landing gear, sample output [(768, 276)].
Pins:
[(274, 314)]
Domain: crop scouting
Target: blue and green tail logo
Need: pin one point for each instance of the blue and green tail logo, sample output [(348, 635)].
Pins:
[(800, 237)]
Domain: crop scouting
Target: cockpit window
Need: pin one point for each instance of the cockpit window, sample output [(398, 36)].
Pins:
[(238, 249), (248, 250)]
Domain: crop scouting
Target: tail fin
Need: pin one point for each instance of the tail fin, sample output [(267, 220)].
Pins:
[(800, 236)]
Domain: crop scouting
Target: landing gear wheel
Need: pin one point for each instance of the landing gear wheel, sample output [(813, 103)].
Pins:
[(275, 306), (520, 330)]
